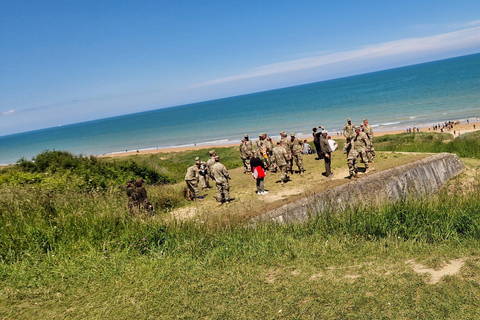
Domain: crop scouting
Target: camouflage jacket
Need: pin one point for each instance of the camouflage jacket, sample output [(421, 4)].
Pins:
[(296, 145), (219, 173), (192, 173), (361, 142), (280, 155), (349, 130), (351, 152), (287, 145)]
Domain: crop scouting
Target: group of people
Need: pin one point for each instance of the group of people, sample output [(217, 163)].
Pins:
[(267, 156), (137, 197), (202, 172)]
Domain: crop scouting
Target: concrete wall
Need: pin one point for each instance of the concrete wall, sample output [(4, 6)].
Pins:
[(421, 177)]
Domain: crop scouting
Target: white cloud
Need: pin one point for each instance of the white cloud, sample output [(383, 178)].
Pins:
[(7, 113), (462, 39)]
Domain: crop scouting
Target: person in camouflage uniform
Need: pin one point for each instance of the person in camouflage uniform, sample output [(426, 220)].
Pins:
[(297, 149), (245, 156), (349, 129), (288, 148), (221, 177), (141, 194), (191, 178), (362, 145), (367, 128), (269, 146), (352, 159), (132, 197), (248, 143), (211, 162), (280, 157), (204, 177)]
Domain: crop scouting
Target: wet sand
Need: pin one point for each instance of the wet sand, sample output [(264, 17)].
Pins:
[(459, 128)]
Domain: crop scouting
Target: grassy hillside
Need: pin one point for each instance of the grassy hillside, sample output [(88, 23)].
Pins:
[(69, 249)]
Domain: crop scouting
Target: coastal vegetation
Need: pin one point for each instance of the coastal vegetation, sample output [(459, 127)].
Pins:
[(69, 248)]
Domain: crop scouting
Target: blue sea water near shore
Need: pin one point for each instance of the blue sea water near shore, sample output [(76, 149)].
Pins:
[(419, 95)]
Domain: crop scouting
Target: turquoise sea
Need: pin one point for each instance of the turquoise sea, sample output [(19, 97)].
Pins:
[(419, 95)]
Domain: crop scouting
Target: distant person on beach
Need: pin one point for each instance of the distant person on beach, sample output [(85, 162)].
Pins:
[(142, 199), (280, 156), (191, 178), (352, 159), (327, 153), (362, 145), (349, 129), (297, 148), (221, 177), (258, 172)]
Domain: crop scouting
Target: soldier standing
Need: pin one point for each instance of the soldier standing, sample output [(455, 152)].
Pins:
[(221, 177), (288, 148), (204, 176), (132, 197), (269, 146), (367, 128), (327, 153), (142, 199), (297, 149), (191, 178), (248, 143), (211, 162), (352, 159), (362, 144), (280, 157), (349, 129), (245, 155)]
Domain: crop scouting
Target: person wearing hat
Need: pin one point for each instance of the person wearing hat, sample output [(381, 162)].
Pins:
[(132, 197), (367, 128), (221, 177), (327, 153), (142, 199), (211, 162), (191, 178), (349, 129), (286, 144), (362, 145), (204, 177), (248, 143), (297, 149), (280, 157), (245, 156)]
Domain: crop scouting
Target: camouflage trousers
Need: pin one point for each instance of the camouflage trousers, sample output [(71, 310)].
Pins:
[(289, 163), (283, 171), (365, 159), (299, 161), (193, 187), (246, 165), (204, 181), (371, 153), (352, 166), (223, 192)]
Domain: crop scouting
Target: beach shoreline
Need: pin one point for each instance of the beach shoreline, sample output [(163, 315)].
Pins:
[(458, 129)]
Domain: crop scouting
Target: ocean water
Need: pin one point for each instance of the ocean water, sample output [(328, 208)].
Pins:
[(419, 95)]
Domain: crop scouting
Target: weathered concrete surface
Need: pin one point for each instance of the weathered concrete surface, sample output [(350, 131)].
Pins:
[(421, 177)]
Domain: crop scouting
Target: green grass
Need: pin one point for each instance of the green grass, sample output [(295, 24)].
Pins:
[(79, 255)]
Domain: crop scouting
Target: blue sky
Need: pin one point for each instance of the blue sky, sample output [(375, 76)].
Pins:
[(70, 61)]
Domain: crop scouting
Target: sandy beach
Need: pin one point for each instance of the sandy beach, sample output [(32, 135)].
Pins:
[(458, 129)]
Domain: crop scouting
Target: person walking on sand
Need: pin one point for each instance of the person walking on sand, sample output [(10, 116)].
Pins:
[(327, 154), (221, 177), (258, 172)]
